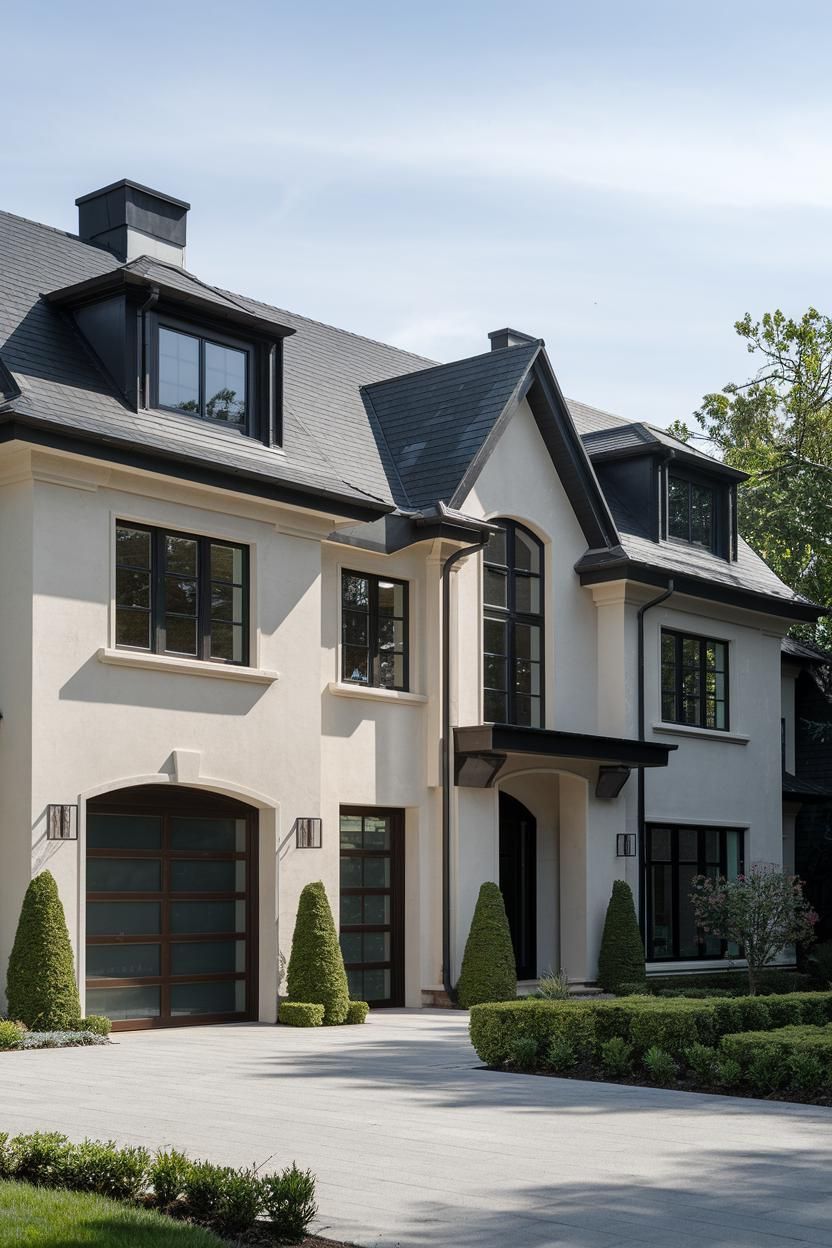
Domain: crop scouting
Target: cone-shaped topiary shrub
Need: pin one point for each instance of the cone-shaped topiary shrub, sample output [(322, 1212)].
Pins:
[(621, 960), (316, 967), (489, 970), (41, 987)]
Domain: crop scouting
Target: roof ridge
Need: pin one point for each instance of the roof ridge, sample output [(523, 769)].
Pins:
[(535, 344)]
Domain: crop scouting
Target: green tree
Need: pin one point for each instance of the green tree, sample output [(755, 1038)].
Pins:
[(762, 912), (316, 967), (489, 970), (777, 427), (40, 986), (621, 960)]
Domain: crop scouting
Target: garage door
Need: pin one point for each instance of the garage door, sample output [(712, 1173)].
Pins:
[(170, 909)]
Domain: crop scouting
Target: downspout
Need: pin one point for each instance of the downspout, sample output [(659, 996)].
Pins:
[(447, 751), (144, 346), (642, 734)]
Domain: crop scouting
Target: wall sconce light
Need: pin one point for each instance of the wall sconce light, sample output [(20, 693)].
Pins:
[(625, 845), (309, 833), (611, 781), (61, 822)]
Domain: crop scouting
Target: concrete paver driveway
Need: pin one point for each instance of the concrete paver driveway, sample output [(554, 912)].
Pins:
[(414, 1145)]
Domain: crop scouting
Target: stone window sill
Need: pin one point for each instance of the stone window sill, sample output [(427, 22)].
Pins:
[(704, 734), (192, 667), (343, 690)]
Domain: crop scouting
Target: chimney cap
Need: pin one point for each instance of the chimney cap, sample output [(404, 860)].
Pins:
[(135, 186), (501, 338)]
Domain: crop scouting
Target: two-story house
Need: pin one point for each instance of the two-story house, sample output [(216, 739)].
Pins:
[(280, 603)]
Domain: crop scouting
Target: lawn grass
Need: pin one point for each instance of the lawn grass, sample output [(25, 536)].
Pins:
[(38, 1217)]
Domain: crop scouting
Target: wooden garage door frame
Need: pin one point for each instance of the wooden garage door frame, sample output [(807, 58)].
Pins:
[(167, 802)]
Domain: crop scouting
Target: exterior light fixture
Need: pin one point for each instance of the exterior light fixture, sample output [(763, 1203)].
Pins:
[(61, 822), (625, 845), (309, 833), (611, 781)]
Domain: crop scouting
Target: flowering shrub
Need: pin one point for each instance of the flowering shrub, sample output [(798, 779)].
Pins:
[(762, 911)]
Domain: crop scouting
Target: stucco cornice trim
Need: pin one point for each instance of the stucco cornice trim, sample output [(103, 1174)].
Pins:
[(188, 667), (703, 734), (376, 695)]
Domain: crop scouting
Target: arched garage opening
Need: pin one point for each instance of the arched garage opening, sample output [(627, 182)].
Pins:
[(171, 927)]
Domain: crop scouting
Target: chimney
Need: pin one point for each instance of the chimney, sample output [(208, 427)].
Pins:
[(132, 220), (501, 338)]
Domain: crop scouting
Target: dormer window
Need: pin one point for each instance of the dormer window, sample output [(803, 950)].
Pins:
[(206, 376), (691, 511)]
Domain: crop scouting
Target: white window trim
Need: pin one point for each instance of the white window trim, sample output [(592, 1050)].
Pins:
[(194, 667), (702, 734), (343, 689)]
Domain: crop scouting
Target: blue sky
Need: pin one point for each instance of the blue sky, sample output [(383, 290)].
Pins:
[(622, 179)]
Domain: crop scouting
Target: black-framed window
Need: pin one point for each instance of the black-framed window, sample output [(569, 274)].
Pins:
[(374, 631), (691, 511), (694, 680), (673, 856), (513, 634), (204, 374), (180, 594)]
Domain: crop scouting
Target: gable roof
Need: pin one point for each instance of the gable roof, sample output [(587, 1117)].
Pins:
[(640, 438), (440, 426)]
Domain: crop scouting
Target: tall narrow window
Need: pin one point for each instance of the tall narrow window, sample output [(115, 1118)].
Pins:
[(673, 856), (691, 511), (694, 680), (374, 631), (513, 627), (181, 594)]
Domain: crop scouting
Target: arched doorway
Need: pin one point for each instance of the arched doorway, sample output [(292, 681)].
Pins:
[(171, 930), (518, 880)]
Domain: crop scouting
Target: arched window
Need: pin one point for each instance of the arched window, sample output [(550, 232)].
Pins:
[(513, 627)]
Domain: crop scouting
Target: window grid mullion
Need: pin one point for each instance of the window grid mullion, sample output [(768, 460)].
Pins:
[(158, 591), (203, 610)]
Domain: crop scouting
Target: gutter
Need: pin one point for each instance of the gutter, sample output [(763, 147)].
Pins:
[(447, 748), (642, 735)]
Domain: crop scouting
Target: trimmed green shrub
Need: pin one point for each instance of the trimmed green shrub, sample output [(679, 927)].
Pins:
[(671, 1025), (695, 994), (357, 1012), (96, 1024), (40, 986), (288, 1200), (222, 1198), (316, 967), (523, 1055), (783, 1042), (11, 1035), (107, 1170), (638, 988), (168, 1175), (489, 970), (42, 1158), (559, 1054), (660, 1066), (301, 1014), (701, 1060), (769, 982), (806, 1072), (616, 1057), (621, 960)]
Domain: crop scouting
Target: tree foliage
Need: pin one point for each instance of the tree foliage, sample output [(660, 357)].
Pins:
[(777, 427), (762, 912)]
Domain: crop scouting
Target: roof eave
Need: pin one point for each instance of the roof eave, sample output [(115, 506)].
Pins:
[(20, 425)]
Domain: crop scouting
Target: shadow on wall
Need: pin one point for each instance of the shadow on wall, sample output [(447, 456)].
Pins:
[(94, 682)]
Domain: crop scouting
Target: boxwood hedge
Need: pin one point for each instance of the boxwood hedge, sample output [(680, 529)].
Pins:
[(672, 1025)]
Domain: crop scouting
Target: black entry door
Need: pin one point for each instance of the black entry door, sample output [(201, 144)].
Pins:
[(518, 881), (372, 904)]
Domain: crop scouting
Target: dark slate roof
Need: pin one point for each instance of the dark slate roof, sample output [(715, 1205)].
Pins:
[(804, 651), (435, 422), (329, 447), (798, 790), (589, 419), (640, 437)]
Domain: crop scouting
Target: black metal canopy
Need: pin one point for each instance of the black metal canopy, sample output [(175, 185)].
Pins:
[(481, 750)]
